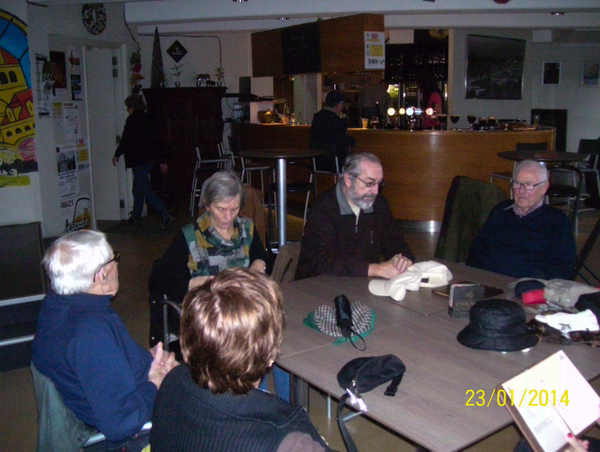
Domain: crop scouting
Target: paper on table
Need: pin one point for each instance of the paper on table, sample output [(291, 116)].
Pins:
[(552, 399)]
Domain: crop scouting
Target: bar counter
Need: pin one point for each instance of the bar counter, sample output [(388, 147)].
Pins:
[(418, 166)]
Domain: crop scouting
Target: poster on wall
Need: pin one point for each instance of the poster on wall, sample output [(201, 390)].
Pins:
[(17, 128), (591, 74), (75, 213), (74, 69), (494, 67), (68, 180), (374, 50), (83, 156), (70, 114)]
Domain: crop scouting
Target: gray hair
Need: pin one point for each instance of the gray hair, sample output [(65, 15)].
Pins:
[(221, 186), (354, 160), (532, 164), (72, 261)]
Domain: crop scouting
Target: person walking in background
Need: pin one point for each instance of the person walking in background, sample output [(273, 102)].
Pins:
[(139, 145)]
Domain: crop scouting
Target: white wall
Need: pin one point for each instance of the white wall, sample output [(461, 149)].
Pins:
[(582, 102), (59, 26), (232, 51)]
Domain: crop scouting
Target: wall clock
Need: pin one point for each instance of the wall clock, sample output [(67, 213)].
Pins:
[(438, 33), (93, 16)]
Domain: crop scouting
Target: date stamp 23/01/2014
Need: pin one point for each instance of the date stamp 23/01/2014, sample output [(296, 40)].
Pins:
[(529, 397)]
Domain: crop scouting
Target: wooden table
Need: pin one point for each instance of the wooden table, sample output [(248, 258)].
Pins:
[(281, 155), (430, 406), (550, 157)]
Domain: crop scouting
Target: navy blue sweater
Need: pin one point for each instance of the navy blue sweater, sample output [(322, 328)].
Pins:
[(538, 245), (82, 345)]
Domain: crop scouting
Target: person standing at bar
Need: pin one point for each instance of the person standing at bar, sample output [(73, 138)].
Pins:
[(432, 98), (374, 101)]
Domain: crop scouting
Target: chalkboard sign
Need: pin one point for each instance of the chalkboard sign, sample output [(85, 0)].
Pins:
[(301, 49)]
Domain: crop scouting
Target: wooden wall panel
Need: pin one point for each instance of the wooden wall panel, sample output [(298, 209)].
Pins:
[(342, 41), (266, 54)]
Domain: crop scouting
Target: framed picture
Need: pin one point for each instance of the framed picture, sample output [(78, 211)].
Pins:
[(551, 73), (591, 74), (494, 67)]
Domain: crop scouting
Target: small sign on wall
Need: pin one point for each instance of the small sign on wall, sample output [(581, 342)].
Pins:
[(374, 50), (591, 74)]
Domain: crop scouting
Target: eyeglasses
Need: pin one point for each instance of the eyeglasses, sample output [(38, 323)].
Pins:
[(526, 185), (116, 258), (370, 184)]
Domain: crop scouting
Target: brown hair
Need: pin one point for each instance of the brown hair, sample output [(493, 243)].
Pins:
[(231, 330)]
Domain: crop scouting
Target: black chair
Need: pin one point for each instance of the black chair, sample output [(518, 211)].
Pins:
[(566, 187), (332, 161), (307, 183), (205, 168), (247, 166), (580, 266), (59, 429), (589, 167)]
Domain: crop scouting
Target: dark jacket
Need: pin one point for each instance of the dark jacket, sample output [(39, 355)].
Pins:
[(139, 142), (328, 132), (190, 418), (333, 244), (82, 345), (538, 245)]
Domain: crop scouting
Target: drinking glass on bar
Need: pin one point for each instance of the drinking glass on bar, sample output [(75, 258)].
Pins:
[(483, 121), (454, 119), (442, 118), (472, 119), (492, 122)]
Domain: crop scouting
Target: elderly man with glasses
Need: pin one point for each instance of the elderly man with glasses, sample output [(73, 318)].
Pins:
[(350, 227), (524, 237)]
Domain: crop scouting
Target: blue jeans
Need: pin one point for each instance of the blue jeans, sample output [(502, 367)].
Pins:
[(282, 383), (142, 191)]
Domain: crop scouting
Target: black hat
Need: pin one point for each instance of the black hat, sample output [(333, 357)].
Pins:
[(498, 325), (333, 98)]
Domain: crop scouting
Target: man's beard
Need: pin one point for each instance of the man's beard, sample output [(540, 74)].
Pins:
[(365, 201)]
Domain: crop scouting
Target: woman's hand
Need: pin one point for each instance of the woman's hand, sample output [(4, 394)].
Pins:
[(197, 281), (259, 265)]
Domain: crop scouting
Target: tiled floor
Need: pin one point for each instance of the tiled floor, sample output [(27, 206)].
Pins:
[(139, 248)]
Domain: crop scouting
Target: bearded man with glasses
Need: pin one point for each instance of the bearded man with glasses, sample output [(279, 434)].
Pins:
[(350, 227), (524, 237)]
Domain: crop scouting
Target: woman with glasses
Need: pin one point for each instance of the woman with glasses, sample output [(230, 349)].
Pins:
[(102, 374), (524, 237)]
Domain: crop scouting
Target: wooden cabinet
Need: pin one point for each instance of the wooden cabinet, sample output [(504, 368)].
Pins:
[(185, 118)]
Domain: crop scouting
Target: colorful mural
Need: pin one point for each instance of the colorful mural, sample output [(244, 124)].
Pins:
[(17, 120)]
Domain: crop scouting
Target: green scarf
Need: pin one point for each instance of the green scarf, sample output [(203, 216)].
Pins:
[(210, 253)]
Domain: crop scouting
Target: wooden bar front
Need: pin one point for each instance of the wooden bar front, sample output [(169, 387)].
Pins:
[(418, 166)]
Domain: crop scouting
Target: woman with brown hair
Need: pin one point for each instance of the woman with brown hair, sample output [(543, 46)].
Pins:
[(231, 333)]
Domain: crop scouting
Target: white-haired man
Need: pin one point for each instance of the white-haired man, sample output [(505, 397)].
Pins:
[(524, 237), (107, 379)]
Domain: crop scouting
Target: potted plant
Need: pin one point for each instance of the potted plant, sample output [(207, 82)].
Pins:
[(176, 73)]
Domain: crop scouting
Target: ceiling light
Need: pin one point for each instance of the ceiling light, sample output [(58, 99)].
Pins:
[(240, 1), (282, 18), (557, 13)]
